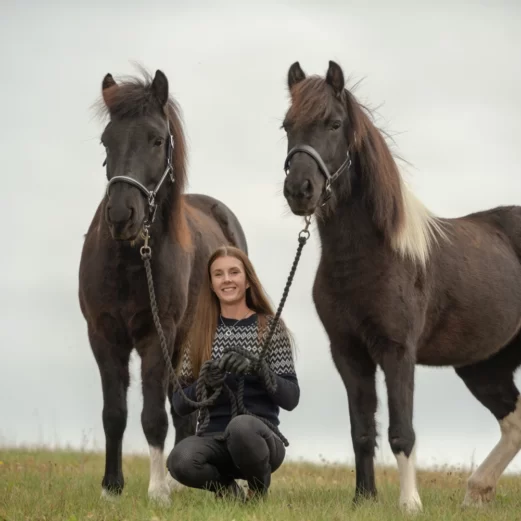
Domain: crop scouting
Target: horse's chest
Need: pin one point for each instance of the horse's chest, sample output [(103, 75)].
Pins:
[(122, 302), (125, 289), (337, 295), (350, 295)]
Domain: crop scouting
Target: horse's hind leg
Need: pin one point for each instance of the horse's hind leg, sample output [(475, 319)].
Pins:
[(112, 360), (492, 383)]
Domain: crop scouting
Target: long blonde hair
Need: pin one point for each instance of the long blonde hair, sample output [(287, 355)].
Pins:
[(207, 312)]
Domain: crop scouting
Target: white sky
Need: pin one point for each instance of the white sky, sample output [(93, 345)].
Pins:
[(446, 79)]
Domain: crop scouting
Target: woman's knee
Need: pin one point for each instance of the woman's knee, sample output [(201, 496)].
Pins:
[(246, 439), (250, 441), (242, 427)]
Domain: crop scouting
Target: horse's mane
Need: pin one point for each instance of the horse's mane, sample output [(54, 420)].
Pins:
[(133, 97), (408, 226)]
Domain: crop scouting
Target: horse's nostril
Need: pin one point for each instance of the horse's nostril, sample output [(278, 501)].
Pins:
[(306, 187)]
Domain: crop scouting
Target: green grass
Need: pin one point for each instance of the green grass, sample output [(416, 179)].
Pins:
[(65, 486)]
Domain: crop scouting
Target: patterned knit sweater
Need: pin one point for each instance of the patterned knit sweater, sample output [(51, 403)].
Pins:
[(257, 399)]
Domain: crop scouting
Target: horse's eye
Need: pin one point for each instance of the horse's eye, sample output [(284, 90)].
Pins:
[(336, 125), (158, 142)]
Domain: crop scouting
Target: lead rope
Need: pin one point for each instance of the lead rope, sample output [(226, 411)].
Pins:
[(203, 400)]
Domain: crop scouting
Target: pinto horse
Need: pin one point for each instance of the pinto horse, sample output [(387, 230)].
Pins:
[(398, 286), (146, 173)]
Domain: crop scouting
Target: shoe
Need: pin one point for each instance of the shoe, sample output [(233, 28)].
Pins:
[(256, 495), (258, 488)]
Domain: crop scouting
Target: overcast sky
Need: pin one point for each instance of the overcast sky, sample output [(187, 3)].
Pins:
[(445, 77)]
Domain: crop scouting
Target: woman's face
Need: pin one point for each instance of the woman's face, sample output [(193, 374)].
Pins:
[(228, 279)]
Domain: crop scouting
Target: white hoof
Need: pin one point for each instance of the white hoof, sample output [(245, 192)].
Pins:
[(478, 494), (412, 504), (160, 494)]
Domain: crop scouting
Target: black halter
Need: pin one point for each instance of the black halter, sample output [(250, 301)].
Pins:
[(150, 194), (330, 178)]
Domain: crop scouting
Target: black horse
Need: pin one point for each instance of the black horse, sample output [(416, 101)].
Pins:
[(146, 170)]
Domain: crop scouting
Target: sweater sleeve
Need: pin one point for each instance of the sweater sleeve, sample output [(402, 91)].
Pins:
[(180, 406), (281, 363), (287, 394)]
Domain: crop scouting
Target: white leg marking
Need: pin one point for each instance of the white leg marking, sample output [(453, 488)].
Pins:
[(158, 489), (481, 486), (409, 496)]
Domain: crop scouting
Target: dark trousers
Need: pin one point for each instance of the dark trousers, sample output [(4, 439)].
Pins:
[(248, 449)]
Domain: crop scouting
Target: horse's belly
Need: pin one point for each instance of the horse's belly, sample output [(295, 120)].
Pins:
[(446, 350), (468, 334)]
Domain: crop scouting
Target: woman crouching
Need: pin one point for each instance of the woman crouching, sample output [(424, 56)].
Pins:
[(234, 311)]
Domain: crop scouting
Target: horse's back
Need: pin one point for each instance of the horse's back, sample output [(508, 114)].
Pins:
[(503, 222), (494, 233), (222, 214)]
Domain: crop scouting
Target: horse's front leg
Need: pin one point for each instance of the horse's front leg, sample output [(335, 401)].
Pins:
[(112, 360), (358, 371), (154, 418), (398, 365)]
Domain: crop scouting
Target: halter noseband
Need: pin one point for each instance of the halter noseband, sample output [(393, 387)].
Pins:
[(330, 178), (150, 194)]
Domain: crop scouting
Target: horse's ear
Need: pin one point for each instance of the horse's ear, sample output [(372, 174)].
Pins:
[(335, 77), (295, 75), (108, 87), (160, 87)]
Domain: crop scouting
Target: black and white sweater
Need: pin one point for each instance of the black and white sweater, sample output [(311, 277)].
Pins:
[(257, 399)]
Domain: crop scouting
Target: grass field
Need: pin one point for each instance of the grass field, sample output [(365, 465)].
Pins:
[(44, 485)]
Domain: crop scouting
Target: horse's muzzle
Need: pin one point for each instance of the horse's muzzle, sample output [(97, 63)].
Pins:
[(122, 222)]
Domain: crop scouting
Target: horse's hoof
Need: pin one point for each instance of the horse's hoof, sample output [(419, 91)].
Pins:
[(361, 498), (411, 505), (478, 493), (106, 495), (160, 494), (475, 497)]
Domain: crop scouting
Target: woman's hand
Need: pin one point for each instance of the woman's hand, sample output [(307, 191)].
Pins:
[(234, 362)]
